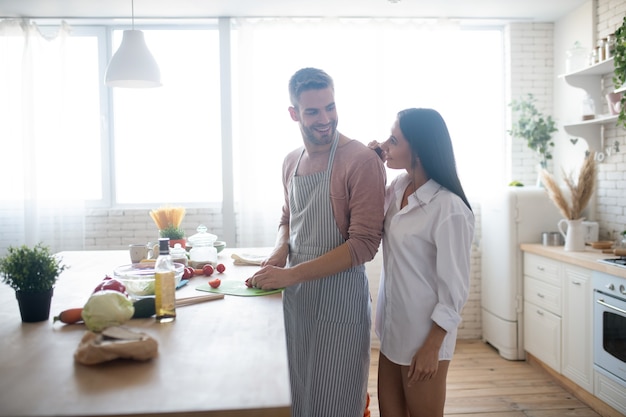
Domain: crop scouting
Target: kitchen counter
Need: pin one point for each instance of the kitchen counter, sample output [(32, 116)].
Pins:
[(222, 357), (587, 259)]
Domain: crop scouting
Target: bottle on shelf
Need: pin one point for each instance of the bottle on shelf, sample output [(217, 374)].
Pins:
[(164, 284)]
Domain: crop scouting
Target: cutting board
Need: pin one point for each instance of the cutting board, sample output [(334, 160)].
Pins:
[(235, 287)]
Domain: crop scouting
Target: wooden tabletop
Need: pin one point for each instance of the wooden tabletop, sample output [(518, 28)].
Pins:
[(586, 259), (224, 357)]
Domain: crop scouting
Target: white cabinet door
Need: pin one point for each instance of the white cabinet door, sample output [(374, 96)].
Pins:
[(542, 335), (577, 353)]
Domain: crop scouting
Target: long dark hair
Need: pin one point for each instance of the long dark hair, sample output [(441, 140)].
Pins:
[(428, 136)]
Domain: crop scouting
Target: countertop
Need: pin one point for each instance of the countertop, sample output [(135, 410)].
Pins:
[(587, 259), (222, 357)]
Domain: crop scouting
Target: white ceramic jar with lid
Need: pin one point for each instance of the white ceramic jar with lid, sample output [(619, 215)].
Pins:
[(202, 249)]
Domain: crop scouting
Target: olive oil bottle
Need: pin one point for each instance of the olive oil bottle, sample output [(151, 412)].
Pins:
[(164, 284)]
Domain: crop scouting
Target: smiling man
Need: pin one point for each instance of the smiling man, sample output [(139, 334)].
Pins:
[(331, 225)]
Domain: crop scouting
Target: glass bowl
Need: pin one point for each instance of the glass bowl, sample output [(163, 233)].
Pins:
[(219, 245), (139, 278)]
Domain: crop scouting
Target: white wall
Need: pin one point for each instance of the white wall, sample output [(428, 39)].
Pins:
[(593, 20), (578, 26), (611, 192)]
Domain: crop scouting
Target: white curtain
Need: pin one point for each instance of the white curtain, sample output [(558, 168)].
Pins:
[(379, 66), (38, 200)]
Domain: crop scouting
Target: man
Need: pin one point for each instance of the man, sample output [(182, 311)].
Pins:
[(330, 226)]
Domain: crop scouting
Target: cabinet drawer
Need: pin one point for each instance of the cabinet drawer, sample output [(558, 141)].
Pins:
[(543, 295), (542, 268), (542, 335)]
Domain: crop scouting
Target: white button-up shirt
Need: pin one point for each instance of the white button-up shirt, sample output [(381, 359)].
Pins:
[(426, 268)]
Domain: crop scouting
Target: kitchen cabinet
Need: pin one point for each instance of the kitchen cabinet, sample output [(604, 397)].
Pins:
[(558, 315), (590, 80), (542, 309), (577, 330)]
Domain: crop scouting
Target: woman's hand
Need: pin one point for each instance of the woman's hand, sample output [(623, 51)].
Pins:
[(425, 362), (424, 365), (375, 145)]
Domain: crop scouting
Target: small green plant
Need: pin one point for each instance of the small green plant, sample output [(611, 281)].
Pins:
[(532, 126), (619, 74), (30, 270), (173, 232)]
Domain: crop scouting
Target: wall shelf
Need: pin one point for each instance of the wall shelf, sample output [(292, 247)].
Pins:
[(590, 80), (591, 130)]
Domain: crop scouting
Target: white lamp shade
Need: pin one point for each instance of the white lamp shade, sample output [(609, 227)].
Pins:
[(133, 65)]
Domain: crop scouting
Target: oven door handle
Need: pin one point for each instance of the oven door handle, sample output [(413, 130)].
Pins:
[(601, 302)]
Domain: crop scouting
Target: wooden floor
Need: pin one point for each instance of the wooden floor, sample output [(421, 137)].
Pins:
[(481, 383)]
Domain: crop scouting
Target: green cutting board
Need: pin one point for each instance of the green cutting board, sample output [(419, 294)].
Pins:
[(235, 288)]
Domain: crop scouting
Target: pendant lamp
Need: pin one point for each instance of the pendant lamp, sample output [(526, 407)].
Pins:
[(133, 66)]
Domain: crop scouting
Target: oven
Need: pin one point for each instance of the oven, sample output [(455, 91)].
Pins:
[(609, 325)]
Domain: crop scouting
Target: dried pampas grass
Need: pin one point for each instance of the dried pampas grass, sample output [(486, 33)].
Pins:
[(580, 192)]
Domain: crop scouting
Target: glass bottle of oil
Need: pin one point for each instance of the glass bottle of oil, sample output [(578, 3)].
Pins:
[(164, 284)]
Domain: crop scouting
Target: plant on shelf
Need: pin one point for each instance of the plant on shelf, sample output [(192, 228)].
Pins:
[(532, 126), (32, 273), (619, 74)]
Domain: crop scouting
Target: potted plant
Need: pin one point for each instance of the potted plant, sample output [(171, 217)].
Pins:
[(168, 221), (32, 273), (532, 126), (175, 234), (619, 74)]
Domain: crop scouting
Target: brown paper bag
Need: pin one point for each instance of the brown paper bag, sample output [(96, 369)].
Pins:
[(113, 343)]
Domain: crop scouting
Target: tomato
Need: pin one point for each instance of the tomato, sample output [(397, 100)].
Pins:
[(207, 270), (249, 283), (220, 268), (110, 284), (186, 273), (215, 282)]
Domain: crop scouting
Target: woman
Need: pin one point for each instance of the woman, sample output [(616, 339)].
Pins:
[(428, 232)]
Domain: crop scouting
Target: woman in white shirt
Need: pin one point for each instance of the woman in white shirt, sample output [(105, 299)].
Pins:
[(428, 233)]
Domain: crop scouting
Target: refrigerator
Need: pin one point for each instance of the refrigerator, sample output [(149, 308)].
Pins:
[(509, 217)]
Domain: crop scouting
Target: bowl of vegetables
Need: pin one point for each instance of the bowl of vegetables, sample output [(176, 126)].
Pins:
[(139, 278)]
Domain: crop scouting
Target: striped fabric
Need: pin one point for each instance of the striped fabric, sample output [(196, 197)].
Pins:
[(327, 320)]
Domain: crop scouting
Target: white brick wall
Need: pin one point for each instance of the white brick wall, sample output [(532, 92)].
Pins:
[(611, 190), (116, 229), (531, 70)]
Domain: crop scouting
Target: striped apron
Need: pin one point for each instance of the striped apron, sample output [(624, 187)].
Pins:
[(327, 320)]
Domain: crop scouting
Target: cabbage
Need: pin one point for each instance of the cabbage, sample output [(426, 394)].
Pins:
[(107, 308)]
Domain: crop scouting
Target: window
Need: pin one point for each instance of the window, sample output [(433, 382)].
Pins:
[(145, 147), (379, 67), (52, 150), (163, 137)]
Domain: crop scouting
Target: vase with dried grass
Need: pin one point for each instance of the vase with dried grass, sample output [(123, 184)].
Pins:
[(571, 208)]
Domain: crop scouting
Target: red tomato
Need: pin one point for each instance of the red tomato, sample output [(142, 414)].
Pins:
[(186, 273), (110, 284), (207, 270), (215, 282), (220, 268)]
